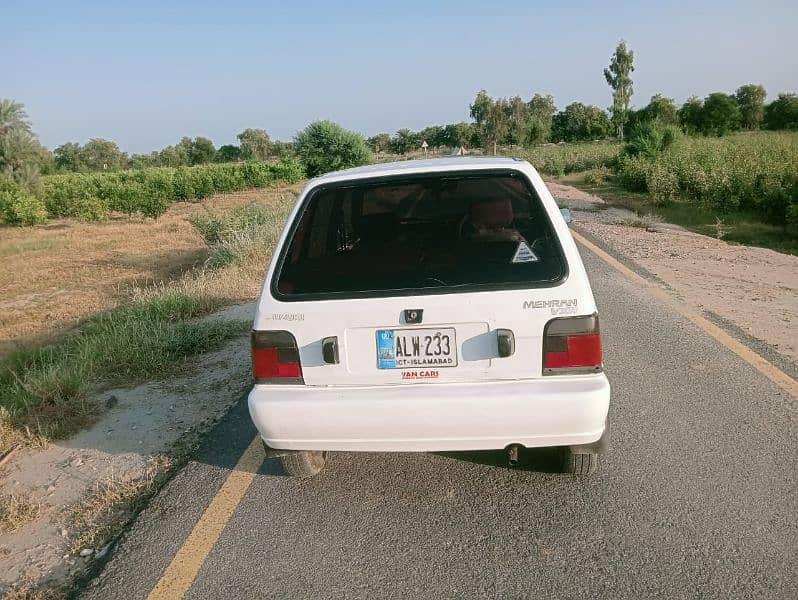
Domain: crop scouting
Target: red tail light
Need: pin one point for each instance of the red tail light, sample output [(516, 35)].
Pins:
[(572, 345), (275, 357)]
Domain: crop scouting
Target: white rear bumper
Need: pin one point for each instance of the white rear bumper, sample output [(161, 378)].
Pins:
[(556, 411)]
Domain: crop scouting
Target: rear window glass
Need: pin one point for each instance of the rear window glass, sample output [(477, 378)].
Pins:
[(431, 234)]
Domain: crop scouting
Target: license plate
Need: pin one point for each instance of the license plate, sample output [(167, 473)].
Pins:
[(409, 348)]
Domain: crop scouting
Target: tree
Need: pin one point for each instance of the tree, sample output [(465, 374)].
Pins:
[(142, 161), (13, 117), (720, 114), (326, 146), (21, 154), (580, 122), (175, 156), (433, 135), (67, 156), (492, 119), (228, 153), (516, 117), (255, 144), (540, 111), (751, 104), (405, 141), (691, 115), (282, 149), (201, 151), (480, 111), (379, 142), (618, 76), (661, 110), (456, 135), (98, 155), (782, 113)]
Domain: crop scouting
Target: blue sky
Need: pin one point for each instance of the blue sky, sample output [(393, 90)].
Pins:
[(147, 73)]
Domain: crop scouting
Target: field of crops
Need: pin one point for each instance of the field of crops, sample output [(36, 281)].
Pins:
[(561, 159), (146, 192), (754, 172)]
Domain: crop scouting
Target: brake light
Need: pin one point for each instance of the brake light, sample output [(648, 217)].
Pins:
[(275, 357), (572, 345)]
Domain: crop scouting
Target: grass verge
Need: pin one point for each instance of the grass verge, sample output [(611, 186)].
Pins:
[(46, 392), (738, 227)]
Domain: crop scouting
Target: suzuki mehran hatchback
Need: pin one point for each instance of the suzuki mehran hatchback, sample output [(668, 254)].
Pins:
[(431, 305)]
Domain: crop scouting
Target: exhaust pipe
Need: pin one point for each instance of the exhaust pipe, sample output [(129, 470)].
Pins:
[(512, 454)]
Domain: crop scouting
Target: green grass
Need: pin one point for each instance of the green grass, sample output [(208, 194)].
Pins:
[(741, 227), (47, 390)]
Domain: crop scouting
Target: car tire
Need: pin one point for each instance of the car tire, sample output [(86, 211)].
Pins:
[(579, 463), (303, 463)]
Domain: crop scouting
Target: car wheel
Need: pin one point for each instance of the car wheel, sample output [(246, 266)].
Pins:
[(577, 463), (303, 463)]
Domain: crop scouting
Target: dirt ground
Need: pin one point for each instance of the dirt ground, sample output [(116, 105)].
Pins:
[(756, 289), (57, 273)]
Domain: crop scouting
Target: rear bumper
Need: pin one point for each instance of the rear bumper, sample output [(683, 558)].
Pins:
[(556, 411)]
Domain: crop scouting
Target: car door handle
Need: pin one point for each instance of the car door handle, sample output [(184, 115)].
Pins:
[(506, 341), (329, 350)]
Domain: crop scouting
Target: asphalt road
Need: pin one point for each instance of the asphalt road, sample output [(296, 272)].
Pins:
[(696, 498)]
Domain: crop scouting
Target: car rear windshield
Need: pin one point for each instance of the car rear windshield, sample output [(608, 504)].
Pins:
[(416, 235)]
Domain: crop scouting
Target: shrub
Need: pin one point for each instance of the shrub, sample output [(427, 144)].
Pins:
[(183, 184), (256, 174), (325, 146), (290, 170), (150, 191), (597, 175), (650, 138), (19, 206), (662, 184), (632, 172), (202, 183), (89, 208)]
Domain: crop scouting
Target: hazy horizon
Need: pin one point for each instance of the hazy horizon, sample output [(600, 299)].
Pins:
[(147, 75)]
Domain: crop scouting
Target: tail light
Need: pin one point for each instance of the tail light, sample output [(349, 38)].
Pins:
[(275, 357), (572, 345)]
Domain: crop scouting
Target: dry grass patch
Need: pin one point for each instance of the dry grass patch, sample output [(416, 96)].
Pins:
[(17, 510), (649, 221), (110, 506)]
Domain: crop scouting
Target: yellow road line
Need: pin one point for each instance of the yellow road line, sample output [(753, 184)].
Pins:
[(180, 573), (770, 371)]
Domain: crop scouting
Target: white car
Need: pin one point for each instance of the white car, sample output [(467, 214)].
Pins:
[(429, 305)]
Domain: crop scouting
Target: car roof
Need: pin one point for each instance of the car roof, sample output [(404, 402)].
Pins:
[(429, 165)]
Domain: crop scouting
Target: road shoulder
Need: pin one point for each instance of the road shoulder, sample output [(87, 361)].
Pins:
[(751, 293)]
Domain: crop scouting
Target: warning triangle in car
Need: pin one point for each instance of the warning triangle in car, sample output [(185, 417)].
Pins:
[(524, 254)]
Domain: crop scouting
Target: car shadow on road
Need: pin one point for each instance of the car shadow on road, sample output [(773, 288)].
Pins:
[(539, 460)]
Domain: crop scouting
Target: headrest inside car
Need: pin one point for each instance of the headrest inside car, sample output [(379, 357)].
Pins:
[(492, 213)]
